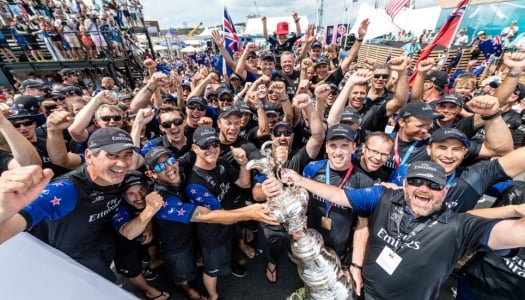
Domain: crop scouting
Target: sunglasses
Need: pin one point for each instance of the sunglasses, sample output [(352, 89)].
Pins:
[(61, 98), (196, 107), (159, 167), (281, 133), (176, 122), (420, 181), (334, 93), (109, 118), (227, 99), (251, 57), (270, 92), (383, 76), (207, 145), (25, 123)]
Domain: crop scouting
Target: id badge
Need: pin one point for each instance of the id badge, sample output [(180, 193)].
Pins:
[(326, 223), (388, 260)]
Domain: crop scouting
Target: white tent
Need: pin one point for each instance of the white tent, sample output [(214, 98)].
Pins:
[(189, 49), (407, 19), (254, 26)]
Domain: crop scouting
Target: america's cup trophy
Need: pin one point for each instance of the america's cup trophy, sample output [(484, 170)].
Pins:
[(319, 266)]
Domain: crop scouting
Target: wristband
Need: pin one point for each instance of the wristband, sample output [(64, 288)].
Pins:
[(150, 90), (353, 264), (491, 117), (298, 19), (514, 74), (359, 40)]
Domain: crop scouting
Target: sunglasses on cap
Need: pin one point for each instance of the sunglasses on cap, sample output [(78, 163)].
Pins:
[(196, 107), (115, 118), (207, 145), (417, 182), (159, 167), (25, 123), (383, 76), (176, 122), (281, 133)]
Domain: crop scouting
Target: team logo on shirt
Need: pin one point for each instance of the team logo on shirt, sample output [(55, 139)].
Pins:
[(395, 243), (516, 265)]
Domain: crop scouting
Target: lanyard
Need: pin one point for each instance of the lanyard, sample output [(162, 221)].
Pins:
[(329, 204), (407, 154), (401, 239), (451, 178)]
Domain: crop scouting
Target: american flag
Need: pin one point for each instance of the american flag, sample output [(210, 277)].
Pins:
[(231, 39), (393, 7)]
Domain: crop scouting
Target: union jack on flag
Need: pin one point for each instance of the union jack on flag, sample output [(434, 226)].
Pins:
[(231, 39)]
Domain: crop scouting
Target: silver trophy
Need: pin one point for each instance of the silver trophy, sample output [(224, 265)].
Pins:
[(319, 266)]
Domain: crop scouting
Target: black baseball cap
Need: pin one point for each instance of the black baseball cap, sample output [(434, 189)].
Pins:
[(427, 170), (281, 124), (205, 134), (316, 44), (350, 114), (451, 98), (340, 131), (228, 110), (27, 106), (112, 140), (71, 90), (419, 110), (132, 178), (439, 78), (449, 133), (34, 84), (323, 60), (153, 155), (66, 72), (197, 99), (268, 56), (520, 91)]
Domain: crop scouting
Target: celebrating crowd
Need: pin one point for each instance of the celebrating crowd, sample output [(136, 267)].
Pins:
[(393, 172)]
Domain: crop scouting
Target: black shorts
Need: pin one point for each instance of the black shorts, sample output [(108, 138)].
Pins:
[(218, 260), (180, 265), (4, 44), (128, 260)]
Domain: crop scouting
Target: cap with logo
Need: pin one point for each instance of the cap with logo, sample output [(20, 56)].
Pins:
[(350, 114), (198, 100), (340, 131), (112, 140), (268, 56), (427, 170), (243, 107), (134, 178), (316, 44), (323, 60), (451, 98), (225, 91), (520, 91), (271, 109), (168, 98), (229, 110), (71, 90), (439, 78), (205, 134), (33, 84), (449, 133), (153, 155), (27, 106), (419, 110), (281, 124)]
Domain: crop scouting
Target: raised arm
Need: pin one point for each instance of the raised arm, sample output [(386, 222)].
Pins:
[(78, 129), (400, 65), (57, 122), (361, 32), (498, 139), (219, 41), (264, 21), (137, 225), (516, 64), (143, 98), (316, 140), (296, 20), (24, 153), (423, 68), (144, 116)]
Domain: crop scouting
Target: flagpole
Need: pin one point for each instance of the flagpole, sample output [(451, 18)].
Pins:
[(459, 23)]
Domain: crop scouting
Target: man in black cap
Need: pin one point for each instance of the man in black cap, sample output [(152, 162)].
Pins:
[(33, 88), (449, 107), (411, 232), (210, 184), (195, 115), (414, 123), (79, 205), (69, 77), (429, 85), (15, 149)]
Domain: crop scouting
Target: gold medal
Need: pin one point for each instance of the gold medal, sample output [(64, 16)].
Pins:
[(326, 223)]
